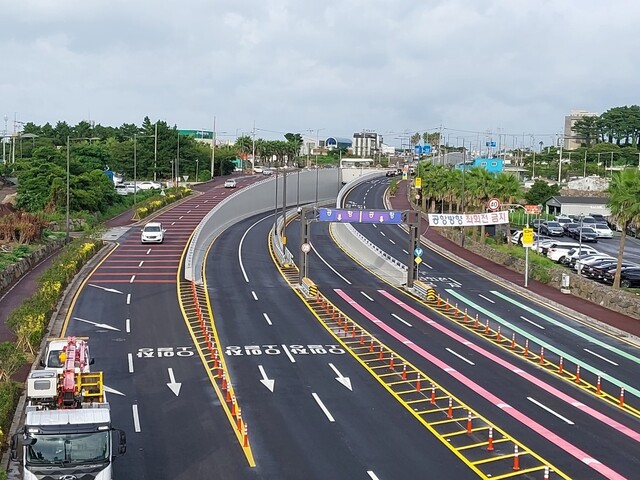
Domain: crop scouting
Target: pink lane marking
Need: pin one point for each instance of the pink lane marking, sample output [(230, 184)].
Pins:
[(509, 366), (522, 418)]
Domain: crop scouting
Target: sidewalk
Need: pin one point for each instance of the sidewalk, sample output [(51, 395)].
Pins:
[(583, 308)]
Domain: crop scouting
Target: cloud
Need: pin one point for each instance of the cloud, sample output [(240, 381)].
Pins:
[(390, 66)]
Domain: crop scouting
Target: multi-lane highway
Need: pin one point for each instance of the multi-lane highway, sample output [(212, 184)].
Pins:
[(360, 381)]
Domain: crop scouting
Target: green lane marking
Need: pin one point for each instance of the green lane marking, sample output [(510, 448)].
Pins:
[(585, 336), (542, 343)]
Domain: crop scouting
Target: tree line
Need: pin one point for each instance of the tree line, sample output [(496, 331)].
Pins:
[(40, 154)]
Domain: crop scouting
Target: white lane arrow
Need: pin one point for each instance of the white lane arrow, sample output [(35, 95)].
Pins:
[(112, 390), (175, 387), (266, 381), (112, 290), (99, 325), (342, 379)]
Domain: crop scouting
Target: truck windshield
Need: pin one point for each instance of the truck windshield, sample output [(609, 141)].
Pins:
[(74, 448)]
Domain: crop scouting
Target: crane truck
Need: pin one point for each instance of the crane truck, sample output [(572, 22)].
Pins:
[(67, 432)]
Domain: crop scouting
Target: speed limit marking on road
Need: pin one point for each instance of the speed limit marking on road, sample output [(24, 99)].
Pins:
[(305, 247), (493, 204)]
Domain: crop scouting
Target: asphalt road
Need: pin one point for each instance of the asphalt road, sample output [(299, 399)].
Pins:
[(616, 359), (328, 413)]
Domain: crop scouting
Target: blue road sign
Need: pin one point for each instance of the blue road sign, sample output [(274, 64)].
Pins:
[(418, 252), (426, 149), (393, 217), (491, 144)]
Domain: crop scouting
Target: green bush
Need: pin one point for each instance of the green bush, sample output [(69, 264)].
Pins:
[(9, 395), (29, 320)]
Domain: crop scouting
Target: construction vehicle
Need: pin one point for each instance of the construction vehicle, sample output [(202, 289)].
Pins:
[(67, 432), (55, 352)]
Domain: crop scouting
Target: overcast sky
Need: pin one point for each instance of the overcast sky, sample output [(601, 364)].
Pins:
[(334, 67)]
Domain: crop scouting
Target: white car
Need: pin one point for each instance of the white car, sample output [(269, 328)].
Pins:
[(149, 185), (591, 260), (121, 189), (576, 252), (231, 183), (258, 169), (558, 250), (603, 230), (152, 233)]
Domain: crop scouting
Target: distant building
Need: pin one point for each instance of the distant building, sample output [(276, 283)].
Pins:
[(492, 165), (573, 140), (562, 205), (333, 143), (593, 183), (366, 144)]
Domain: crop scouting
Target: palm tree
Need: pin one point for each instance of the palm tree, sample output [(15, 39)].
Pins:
[(480, 190), (624, 203), (507, 190)]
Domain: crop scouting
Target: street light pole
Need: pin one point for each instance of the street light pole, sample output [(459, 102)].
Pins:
[(135, 171), (213, 148), (155, 153), (67, 215)]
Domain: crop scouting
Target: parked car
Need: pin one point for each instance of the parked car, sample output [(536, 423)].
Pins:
[(537, 223), (266, 171), (581, 264), (577, 253), (629, 277), (553, 229), (563, 220), (603, 230), (632, 231), (598, 217), (230, 183), (587, 221), (570, 228), (152, 233), (258, 169), (121, 189), (558, 250), (597, 271), (149, 185), (132, 187), (585, 234)]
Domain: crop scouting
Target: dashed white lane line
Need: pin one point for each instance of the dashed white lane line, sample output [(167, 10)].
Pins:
[(544, 407), (148, 251), (128, 299), (136, 418), (487, 299), (601, 357), (141, 263), (372, 475), (459, 356), (402, 320), (127, 325), (130, 361), (255, 297), (322, 407), (532, 322), (286, 350), (367, 296), (266, 317), (133, 277)]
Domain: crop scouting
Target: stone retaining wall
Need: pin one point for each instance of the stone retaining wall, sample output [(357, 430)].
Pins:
[(620, 301), (16, 271)]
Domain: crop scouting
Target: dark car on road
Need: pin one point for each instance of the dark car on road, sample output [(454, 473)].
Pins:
[(553, 229), (585, 234), (629, 277)]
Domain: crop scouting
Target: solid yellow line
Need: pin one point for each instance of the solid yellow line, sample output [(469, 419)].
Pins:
[(246, 450)]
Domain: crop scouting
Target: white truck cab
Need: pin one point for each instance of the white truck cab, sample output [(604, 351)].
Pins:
[(55, 354)]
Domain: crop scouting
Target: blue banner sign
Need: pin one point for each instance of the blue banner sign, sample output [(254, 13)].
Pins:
[(393, 217)]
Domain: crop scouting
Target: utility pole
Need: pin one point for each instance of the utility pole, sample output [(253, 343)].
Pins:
[(155, 153), (213, 148), (253, 148)]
